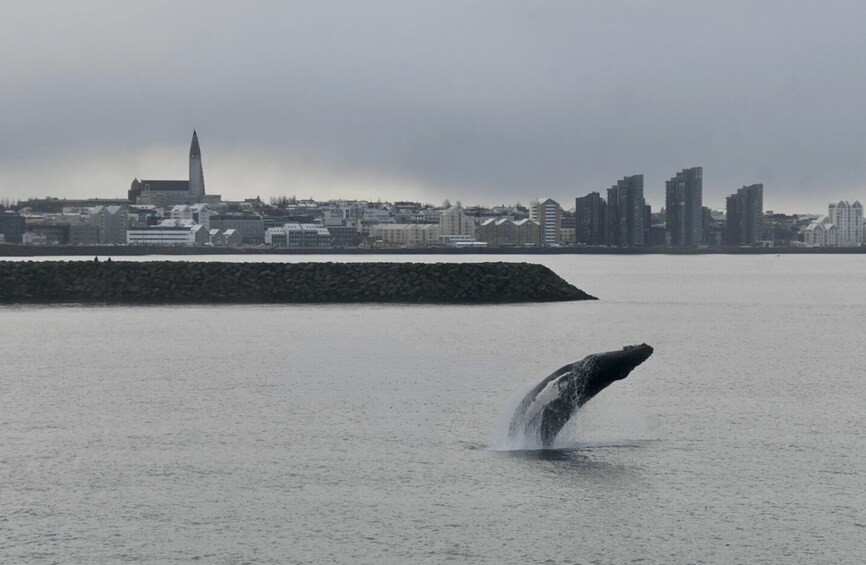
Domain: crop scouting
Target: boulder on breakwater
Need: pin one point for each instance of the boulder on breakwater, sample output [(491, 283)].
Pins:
[(180, 282)]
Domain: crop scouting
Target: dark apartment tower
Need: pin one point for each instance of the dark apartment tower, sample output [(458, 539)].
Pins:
[(625, 213), (732, 220), (707, 238), (683, 203), (745, 215), (647, 223), (589, 219)]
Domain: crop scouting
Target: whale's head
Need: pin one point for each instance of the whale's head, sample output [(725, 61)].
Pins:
[(614, 366)]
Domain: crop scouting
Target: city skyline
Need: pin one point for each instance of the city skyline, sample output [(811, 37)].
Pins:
[(503, 103), (191, 190)]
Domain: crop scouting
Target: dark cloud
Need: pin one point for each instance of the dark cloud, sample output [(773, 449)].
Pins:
[(478, 101)]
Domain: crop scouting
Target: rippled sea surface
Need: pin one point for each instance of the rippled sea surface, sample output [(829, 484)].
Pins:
[(362, 434)]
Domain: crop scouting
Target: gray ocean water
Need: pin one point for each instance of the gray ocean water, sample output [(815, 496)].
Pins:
[(367, 434)]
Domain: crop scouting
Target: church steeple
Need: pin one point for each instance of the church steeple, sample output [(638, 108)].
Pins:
[(196, 174), (194, 149)]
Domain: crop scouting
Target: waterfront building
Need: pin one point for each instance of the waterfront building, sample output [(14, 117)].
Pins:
[(404, 235), (111, 223), (455, 221), (74, 226), (167, 193), (298, 236), (47, 229), (821, 233), (225, 238), (275, 237), (590, 213), (169, 232), (626, 211), (744, 221), (505, 232), (12, 226), (683, 207), (842, 227), (343, 236), (567, 236), (85, 234), (849, 219), (547, 213), (250, 226), (307, 235)]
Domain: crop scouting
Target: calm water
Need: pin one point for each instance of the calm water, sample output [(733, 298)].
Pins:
[(362, 434)]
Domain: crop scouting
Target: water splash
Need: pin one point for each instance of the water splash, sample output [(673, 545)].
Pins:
[(518, 426)]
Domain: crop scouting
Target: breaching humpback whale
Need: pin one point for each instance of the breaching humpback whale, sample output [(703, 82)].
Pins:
[(552, 403)]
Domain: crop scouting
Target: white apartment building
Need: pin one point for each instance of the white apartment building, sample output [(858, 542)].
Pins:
[(821, 233), (849, 219), (548, 214), (841, 227), (169, 232)]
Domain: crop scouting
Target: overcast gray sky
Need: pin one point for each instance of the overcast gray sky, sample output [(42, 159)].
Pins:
[(486, 102)]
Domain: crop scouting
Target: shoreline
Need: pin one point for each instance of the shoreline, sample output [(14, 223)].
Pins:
[(15, 250)]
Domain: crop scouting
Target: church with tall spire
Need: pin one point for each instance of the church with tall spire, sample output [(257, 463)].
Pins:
[(172, 192), (196, 173)]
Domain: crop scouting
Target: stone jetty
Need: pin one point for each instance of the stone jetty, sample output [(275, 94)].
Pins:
[(181, 282)]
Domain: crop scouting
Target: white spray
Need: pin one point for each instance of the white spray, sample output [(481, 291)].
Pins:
[(519, 425)]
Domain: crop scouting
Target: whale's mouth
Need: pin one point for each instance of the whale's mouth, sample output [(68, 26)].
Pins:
[(616, 365), (638, 353)]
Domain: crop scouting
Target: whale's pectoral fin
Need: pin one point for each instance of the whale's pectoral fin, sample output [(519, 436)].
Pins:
[(556, 415)]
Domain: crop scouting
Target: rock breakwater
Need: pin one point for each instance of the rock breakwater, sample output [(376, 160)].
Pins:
[(179, 282)]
